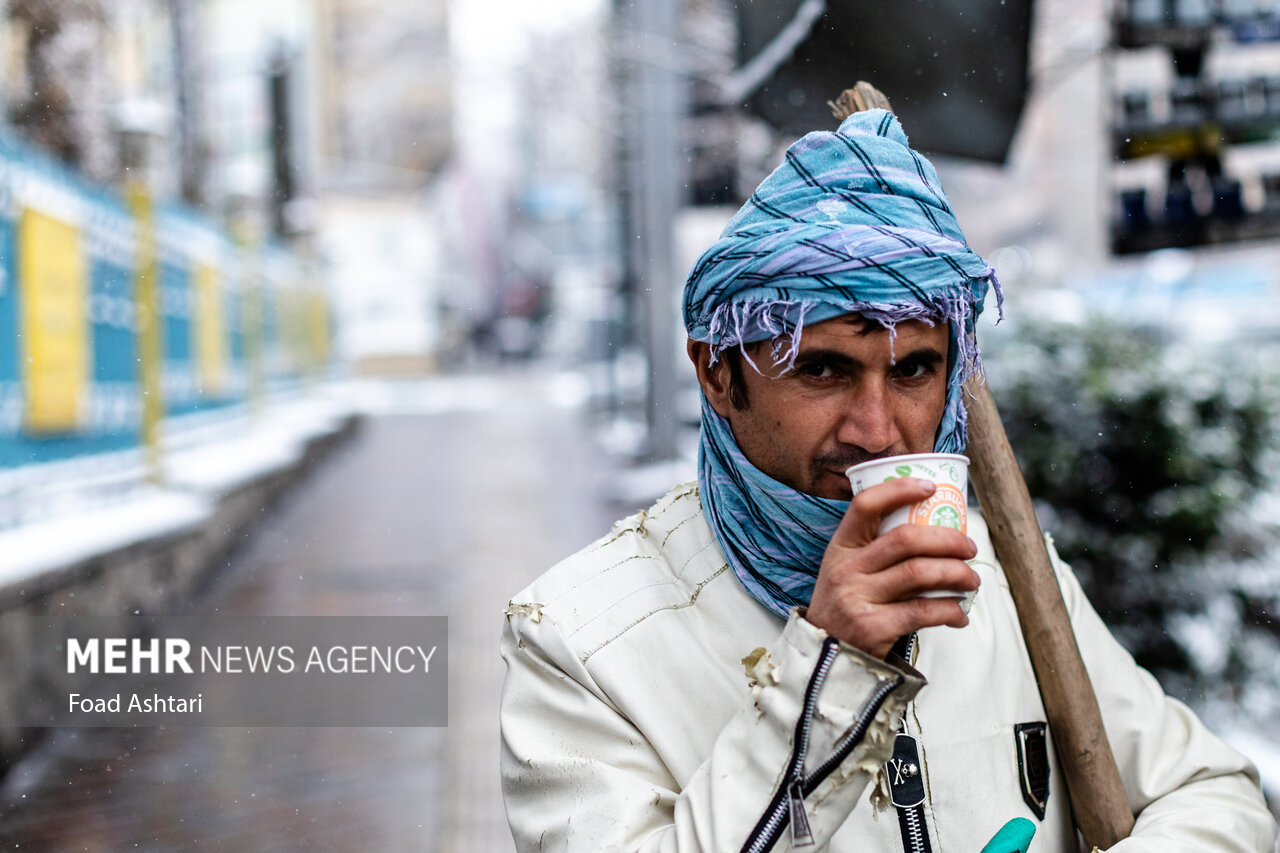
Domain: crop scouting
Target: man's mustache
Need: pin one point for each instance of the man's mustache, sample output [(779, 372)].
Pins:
[(846, 457)]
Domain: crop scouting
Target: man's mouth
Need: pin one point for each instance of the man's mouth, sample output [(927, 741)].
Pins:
[(840, 483), (836, 464)]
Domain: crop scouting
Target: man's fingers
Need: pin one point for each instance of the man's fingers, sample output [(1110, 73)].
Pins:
[(918, 540), (876, 633), (906, 617), (918, 575), (903, 543), (861, 522), (920, 613)]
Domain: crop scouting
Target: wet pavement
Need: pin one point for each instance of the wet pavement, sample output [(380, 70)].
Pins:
[(446, 503)]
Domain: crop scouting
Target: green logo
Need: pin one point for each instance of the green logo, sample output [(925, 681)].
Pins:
[(945, 516), (902, 471)]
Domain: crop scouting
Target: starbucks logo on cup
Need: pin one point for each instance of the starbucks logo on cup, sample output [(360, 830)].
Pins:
[(944, 508)]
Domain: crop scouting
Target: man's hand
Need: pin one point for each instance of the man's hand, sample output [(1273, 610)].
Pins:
[(868, 587)]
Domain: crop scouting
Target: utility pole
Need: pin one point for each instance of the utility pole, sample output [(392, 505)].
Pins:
[(655, 115), (191, 157), (135, 145), (284, 188)]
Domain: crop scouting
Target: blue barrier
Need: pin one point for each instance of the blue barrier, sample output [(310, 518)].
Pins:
[(203, 277)]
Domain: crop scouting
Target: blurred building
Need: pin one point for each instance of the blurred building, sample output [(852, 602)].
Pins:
[(552, 294), (385, 101), (318, 124), (526, 205), (384, 129), (76, 76)]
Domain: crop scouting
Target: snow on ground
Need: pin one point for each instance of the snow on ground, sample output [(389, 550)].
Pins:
[(244, 449), (58, 514), (70, 511), (148, 512)]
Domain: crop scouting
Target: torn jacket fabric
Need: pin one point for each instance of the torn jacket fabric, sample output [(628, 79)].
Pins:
[(854, 221)]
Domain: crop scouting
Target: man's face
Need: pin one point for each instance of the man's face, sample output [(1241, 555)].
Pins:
[(849, 398)]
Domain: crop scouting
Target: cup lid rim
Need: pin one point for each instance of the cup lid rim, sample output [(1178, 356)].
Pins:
[(906, 457)]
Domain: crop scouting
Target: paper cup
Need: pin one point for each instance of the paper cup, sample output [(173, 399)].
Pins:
[(946, 507)]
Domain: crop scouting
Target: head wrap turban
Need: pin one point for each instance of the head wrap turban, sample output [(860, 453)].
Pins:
[(853, 221)]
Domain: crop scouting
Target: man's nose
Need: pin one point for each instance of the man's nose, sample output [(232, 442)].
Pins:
[(870, 421)]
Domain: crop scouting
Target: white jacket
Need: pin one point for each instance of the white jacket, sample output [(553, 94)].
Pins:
[(629, 721)]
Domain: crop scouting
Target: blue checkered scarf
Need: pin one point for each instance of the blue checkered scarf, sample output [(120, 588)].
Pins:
[(853, 221)]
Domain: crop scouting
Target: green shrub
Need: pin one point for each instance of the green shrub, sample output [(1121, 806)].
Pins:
[(1144, 456)]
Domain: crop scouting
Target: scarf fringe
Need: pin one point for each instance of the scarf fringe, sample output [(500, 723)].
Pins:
[(781, 321)]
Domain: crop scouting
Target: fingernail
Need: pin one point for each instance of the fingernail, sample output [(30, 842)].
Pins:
[(926, 485)]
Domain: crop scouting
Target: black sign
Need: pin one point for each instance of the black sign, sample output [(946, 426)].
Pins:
[(1033, 764)]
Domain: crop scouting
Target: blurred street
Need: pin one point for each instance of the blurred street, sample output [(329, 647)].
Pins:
[(447, 502), (373, 308)]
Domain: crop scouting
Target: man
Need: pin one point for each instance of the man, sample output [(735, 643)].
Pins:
[(742, 667)]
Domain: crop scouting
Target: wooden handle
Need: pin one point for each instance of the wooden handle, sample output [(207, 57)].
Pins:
[(863, 96), (1094, 787), (1097, 794)]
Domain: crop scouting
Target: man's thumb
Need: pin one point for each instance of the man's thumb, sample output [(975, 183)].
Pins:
[(861, 523)]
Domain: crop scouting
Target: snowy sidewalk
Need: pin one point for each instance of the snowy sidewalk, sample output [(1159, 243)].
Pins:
[(452, 496)]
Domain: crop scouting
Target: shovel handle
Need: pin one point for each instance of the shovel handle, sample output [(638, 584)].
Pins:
[(1097, 795)]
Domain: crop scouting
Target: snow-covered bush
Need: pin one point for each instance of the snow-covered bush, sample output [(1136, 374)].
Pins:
[(1152, 463)]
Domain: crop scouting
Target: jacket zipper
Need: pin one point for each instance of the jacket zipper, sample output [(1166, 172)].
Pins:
[(915, 838), (915, 835), (787, 806)]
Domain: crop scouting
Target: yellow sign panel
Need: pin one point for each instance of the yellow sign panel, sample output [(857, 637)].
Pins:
[(210, 331), (52, 283), (319, 329)]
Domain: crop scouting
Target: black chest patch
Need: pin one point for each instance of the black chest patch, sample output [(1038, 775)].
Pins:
[(1033, 764)]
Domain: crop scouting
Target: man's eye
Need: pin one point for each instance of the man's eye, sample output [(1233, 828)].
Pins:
[(816, 371), (912, 370)]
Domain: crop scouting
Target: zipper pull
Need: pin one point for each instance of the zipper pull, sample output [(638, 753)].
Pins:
[(906, 784), (801, 834)]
